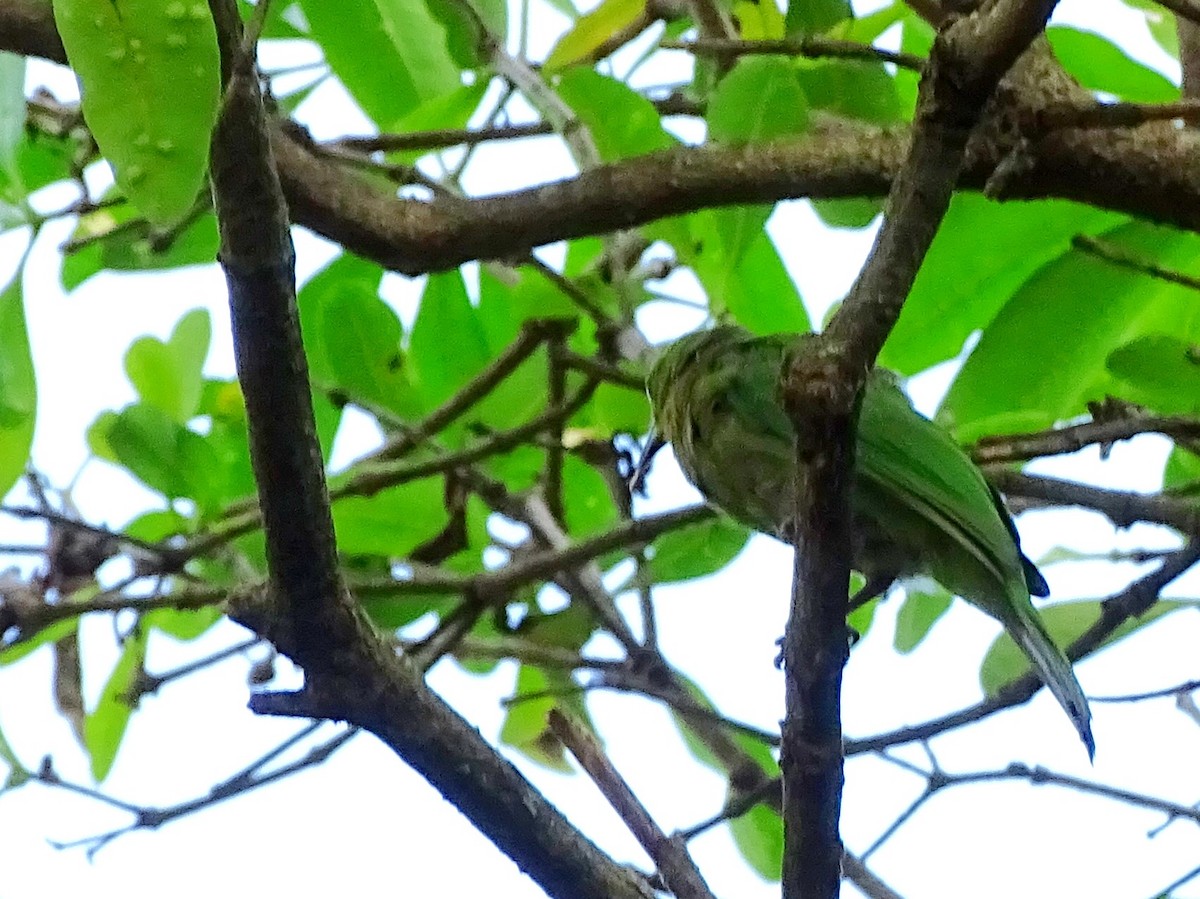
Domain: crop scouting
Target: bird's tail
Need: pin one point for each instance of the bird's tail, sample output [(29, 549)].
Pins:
[(1055, 669)]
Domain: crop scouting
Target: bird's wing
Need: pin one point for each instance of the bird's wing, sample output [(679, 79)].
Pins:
[(915, 463)]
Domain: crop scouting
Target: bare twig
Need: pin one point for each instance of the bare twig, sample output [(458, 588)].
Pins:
[(244, 781), (811, 47), (1134, 600), (1185, 687), (670, 854), (1169, 890), (856, 871), (147, 683), (70, 522), (1117, 115), (1057, 441), (533, 334), (1121, 507)]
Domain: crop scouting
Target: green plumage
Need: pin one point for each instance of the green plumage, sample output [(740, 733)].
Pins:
[(920, 505)]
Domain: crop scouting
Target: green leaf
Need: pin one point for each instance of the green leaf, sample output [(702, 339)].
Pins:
[(12, 109), (916, 37), (19, 650), (229, 439), (694, 551), (37, 161), (18, 384), (355, 343), (806, 17), (390, 54), (964, 281), (592, 30), (757, 21), (588, 505), (156, 525), (507, 298), (1100, 65), (756, 749), (439, 367), (183, 624), (1182, 472), (450, 111), (759, 837), (466, 22), (1162, 372), (117, 240), (167, 375), (851, 212), (855, 90), (1066, 621), (851, 88), (346, 274), (284, 20), (759, 100), (149, 76), (1026, 374), (392, 523), (1160, 23), (618, 410), (105, 725), (390, 613), (622, 122), (869, 28), (921, 610), (163, 454), (757, 291), (18, 774), (526, 727), (860, 620)]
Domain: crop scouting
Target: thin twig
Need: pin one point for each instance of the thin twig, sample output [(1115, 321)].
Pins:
[(1123, 508), (1167, 891), (1118, 115), (1185, 687), (1116, 610), (148, 683), (533, 334), (809, 47), (1057, 441), (855, 871), (58, 519), (670, 854)]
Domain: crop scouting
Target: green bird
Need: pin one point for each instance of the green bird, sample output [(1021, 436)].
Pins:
[(919, 504)]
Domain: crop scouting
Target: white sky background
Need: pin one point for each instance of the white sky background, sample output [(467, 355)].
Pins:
[(365, 823)]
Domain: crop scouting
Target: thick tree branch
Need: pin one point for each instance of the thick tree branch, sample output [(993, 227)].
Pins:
[(259, 262), (821, 390), (1152, 171), (351, 674)]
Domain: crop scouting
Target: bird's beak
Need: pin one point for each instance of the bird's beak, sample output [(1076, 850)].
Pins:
[(637, 480)]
